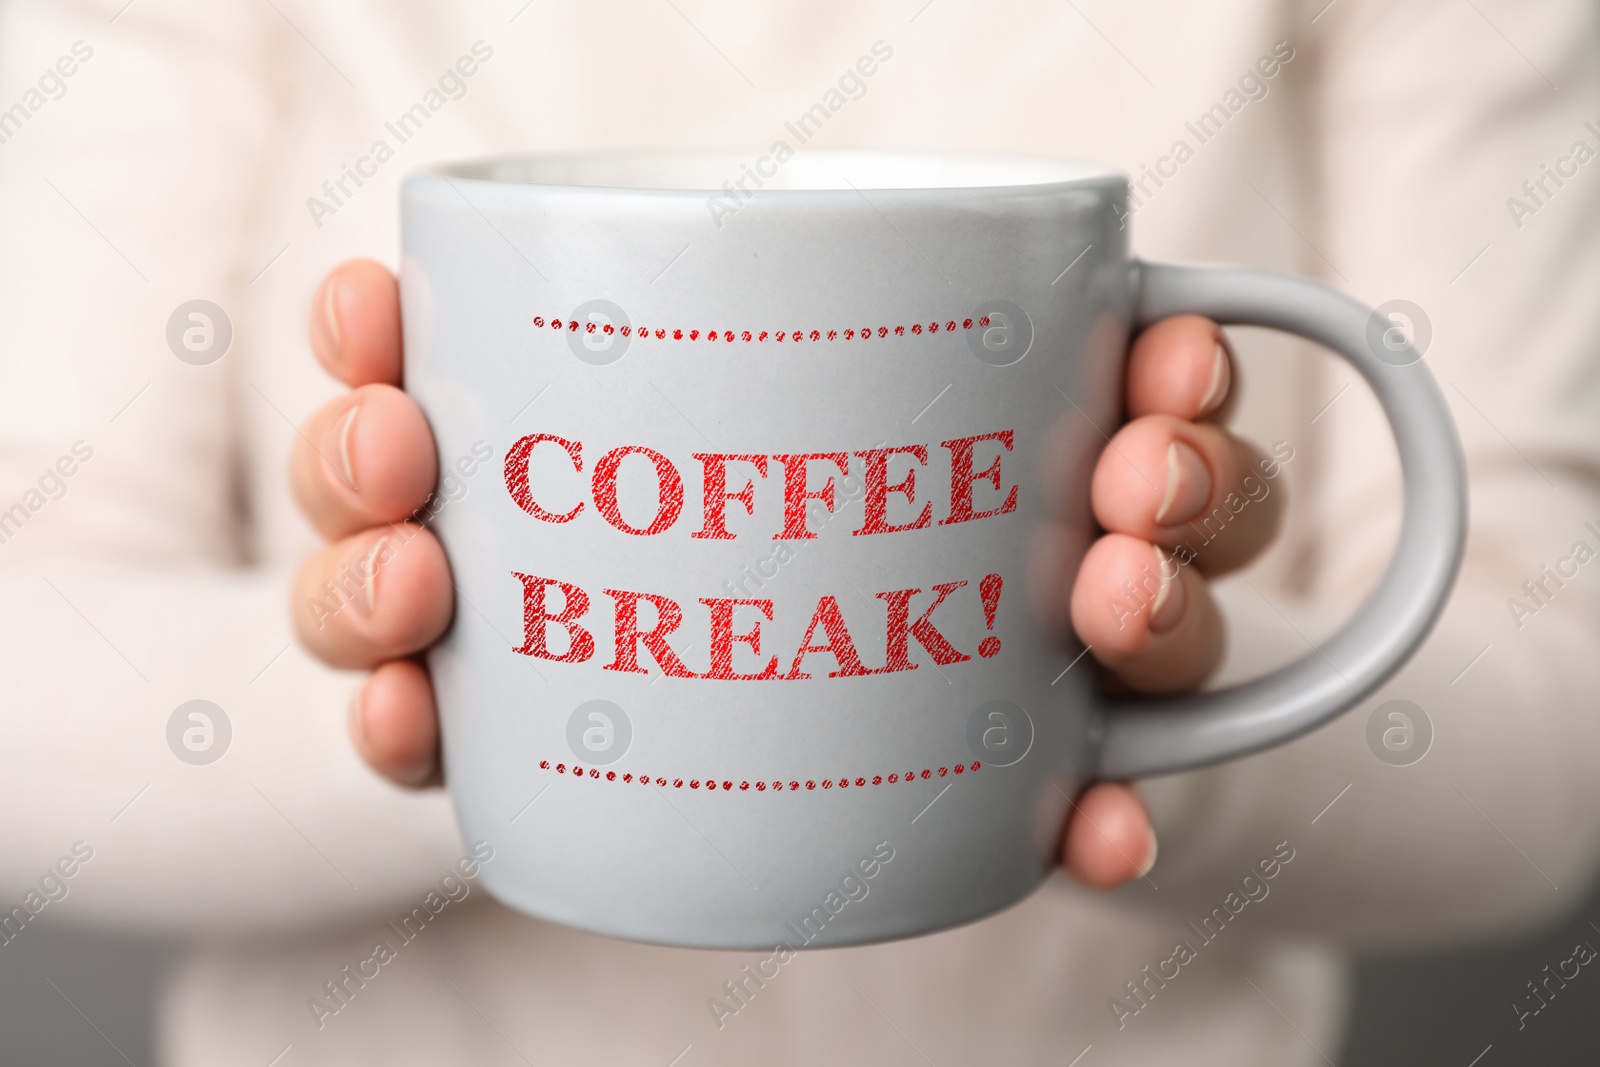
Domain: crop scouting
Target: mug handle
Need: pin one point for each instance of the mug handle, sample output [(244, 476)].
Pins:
[(1147, 736)]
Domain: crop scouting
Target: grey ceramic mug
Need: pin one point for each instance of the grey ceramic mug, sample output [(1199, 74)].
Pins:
[(743, 459)]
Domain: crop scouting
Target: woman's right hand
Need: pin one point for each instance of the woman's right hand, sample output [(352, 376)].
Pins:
[(380, 592)]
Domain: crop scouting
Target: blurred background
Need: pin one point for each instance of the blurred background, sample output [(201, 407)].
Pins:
[(1427, 1008)]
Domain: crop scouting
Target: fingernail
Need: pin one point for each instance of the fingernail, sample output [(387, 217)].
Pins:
[(1168, 606), (1188, 485), (1150, 854), (379, 554), (358, 578), (329, 318), (336, 442), (1221, 378)]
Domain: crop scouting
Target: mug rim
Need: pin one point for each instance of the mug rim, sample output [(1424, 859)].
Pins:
[(712, 172)]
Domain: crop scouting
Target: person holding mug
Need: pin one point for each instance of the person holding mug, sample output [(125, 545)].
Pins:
[(994, 488), (1178, 379), (169, 549)]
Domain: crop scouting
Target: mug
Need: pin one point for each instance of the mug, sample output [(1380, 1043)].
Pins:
[(746, 467)]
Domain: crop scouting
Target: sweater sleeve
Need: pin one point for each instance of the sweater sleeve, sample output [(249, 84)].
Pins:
[(1428, 119), (129, 568)]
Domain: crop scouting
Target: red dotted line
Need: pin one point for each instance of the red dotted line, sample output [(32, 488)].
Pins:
[(777, 786), (849, 334)]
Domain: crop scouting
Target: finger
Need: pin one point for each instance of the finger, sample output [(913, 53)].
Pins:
[(378, 595), (1108, 839), (1181, 366), (1192, 488), (355, 323), (1146, 616), (363, 460), (395, 726)]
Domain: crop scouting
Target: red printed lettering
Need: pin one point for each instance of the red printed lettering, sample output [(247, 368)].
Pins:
[(900, 630), (839, 644), (669, 490), (962, 477), (668, 616), (723, 637), (717, 495), (536, 618), (878, 488), (898, 634), (796, 491), (517, 475), (804, 506)]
